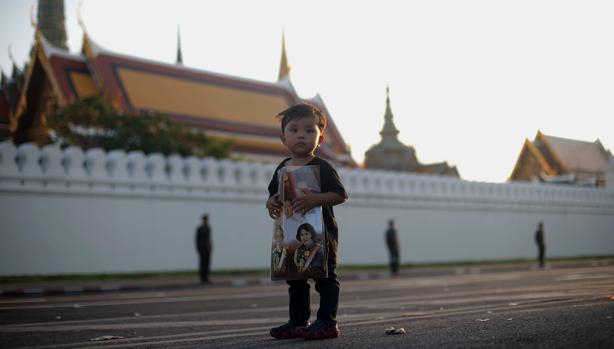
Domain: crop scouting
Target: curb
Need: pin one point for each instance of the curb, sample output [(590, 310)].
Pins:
[(237, 282), (265, 281), (38, 291)]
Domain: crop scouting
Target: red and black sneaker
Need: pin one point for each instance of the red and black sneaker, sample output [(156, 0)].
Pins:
[(287, 330), (319, 330)]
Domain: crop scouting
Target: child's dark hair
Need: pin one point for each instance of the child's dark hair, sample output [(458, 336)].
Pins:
[(302, 110), (309, 228)]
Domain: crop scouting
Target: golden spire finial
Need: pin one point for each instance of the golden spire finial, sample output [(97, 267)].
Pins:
[(179, 59), (390, 130), (284, 67), (32, 16), (80, 18)]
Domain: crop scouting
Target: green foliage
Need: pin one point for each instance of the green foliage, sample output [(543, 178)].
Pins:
[(91, 122)]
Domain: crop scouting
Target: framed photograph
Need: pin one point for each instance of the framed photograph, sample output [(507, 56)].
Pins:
[(299, 244)]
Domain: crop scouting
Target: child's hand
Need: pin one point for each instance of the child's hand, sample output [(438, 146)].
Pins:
[(305, 202), (274, 206)]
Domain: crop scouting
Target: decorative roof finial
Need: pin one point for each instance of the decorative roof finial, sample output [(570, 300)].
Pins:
[(179, 55), (80, 18), (33, 17), (389, 130), (11, 57), (284, 67)]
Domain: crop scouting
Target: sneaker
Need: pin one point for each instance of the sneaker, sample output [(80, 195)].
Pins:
[(287, 330), (319, 330)]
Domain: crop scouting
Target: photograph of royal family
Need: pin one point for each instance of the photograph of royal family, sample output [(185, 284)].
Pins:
[(298, 250)]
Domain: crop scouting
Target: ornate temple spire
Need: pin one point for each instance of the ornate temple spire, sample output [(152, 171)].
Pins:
[(390, 153), (389, 131), (50, 20), (284, 67), (179, 56)]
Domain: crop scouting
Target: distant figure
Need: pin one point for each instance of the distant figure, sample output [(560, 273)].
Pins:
[(204, 247), (392, 242), (541, 246)]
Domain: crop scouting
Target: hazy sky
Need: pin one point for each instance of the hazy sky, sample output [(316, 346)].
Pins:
[(469, 80)]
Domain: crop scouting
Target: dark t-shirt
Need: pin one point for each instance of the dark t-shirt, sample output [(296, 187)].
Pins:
[(539, 237), (203, 238), (392, 240), (329, 182)]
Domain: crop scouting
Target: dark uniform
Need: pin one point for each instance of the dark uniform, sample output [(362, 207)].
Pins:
[(392, 241), (541, 245), (204, 247)]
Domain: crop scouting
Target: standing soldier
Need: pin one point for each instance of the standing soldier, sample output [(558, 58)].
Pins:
[(204, 247), (392, 241), (541, 245)]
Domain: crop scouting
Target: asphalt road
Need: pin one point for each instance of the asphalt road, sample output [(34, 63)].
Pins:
[(570, 307)]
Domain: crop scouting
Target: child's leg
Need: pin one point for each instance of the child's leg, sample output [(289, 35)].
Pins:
[(328, 289), (299, 306)]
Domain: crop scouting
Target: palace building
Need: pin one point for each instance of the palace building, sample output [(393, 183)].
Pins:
[(224, 106), (561, 160)]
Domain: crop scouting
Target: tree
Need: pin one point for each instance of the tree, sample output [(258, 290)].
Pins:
[(92, 122)]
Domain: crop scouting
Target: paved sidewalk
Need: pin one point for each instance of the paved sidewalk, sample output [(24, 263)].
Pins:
[(185, 282)]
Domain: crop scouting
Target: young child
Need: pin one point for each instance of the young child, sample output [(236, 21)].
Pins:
[(302, 131)]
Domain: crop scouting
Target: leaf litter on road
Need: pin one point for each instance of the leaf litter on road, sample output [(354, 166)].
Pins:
[(105, 338), (392, 330)]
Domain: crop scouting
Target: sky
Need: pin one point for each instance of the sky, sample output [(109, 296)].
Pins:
[(469, 80)]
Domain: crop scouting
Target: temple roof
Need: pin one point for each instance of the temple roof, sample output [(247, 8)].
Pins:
[(439, 168), (548, 157), (226, 106), (580, 155)]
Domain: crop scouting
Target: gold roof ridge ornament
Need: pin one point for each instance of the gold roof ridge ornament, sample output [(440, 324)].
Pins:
[(179, 59), (11, 57), (80, 18), (389, 132), (284, 67), (32, 16), (91, 50)]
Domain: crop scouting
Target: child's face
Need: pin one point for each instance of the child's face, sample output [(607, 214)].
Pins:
[(305, 236), (302, 136)]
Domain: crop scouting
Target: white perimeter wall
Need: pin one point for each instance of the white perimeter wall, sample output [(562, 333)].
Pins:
[(96, 212)]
